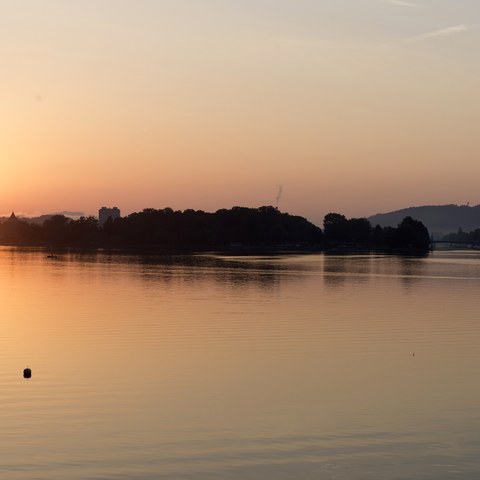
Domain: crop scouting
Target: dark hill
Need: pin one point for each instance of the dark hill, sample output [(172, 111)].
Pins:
[(439, 219)]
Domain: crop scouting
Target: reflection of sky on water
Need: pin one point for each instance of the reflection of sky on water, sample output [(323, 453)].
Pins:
[(240, 367)]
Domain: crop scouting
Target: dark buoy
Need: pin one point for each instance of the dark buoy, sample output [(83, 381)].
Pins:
[(27, 373)]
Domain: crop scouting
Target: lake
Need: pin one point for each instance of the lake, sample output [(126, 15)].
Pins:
[(219, 367)]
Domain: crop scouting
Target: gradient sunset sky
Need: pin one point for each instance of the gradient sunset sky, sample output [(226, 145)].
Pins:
[(353, 106)]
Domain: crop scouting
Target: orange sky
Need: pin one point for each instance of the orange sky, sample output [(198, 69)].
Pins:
[(356, 106)]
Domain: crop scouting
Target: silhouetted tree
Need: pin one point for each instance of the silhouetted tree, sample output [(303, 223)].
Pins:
[(55, 230), (410, 234), (335, 227), (359, 230)]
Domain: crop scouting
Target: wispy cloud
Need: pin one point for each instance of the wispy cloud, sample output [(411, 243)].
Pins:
[(441, 32), (401, 3), (426, 36)]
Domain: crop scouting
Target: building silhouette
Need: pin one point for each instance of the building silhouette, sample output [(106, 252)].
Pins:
[(105, 213)]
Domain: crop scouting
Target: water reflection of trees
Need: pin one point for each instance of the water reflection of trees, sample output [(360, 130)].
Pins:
[(337, 269), (240, 272), (411, 269), (186, 269)]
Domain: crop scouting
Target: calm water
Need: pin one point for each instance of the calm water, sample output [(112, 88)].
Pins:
[(209, 367)]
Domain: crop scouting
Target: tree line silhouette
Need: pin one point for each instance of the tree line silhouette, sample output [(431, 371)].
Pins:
[(410, 234), (238, 227), (460, 236)]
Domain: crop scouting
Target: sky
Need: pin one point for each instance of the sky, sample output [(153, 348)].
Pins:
[(350, 106)]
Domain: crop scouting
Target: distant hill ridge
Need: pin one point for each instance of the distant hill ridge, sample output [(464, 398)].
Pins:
[(439, 219), (40, 219)]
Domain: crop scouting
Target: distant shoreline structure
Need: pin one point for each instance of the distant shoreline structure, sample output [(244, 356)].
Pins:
[(106, 213)]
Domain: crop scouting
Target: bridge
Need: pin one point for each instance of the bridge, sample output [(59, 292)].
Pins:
[(456, 244)]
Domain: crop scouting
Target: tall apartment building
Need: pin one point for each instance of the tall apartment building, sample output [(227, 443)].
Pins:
[(105, 213)]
